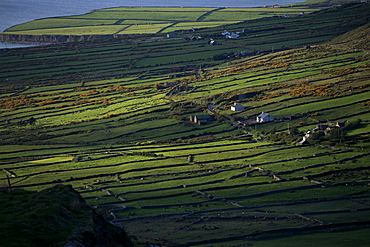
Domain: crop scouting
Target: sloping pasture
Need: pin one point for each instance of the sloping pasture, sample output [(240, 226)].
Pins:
[(145, 20), (122, 57), (111, 118), (291, 83), (85, 30), (56, 23), (255, 13), (259, 184)]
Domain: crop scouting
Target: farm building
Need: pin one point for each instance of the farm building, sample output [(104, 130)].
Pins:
[(307, 135), (191, 67), (176, 69), (264, 117), (337, 124), (287, 117), (321, 127), (193, 38), (214, 42), (326, 127), (202, 119), (233, 36), (171, 35), (237, 107)]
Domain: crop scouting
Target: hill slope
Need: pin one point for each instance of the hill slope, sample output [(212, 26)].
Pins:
[(57, 216), (355, 39), (113, 120), (125, 21)]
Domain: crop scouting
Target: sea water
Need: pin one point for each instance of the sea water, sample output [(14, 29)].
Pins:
[(13, 12)]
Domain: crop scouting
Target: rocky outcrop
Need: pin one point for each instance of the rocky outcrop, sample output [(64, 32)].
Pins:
[(48, 39), (57, 216)]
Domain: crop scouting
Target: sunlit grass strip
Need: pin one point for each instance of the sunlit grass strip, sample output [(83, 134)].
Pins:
[(89, 114), (141, 22), (144, 15), (149, 28), (158, 9), (269, 10), (196, 25), (234, 16), (253, 13), (88, 30), (51, 160), (57, 164), (58, 23), (316, 106)]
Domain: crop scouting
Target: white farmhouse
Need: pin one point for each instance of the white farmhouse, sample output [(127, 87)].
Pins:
[(264, 117)]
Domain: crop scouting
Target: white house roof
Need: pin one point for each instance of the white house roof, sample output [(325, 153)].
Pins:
[(263, 115), (233, 36)]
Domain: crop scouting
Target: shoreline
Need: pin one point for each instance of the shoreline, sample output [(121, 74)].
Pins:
[(38, 40), (44, 39), (66, 11), (6, 46), (41, 40)]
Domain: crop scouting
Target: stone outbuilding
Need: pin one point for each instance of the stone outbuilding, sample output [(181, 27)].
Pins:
[(237, 107), (171, 35), (202, 119)]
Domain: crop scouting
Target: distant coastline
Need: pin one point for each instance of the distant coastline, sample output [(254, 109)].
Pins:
[(15, 12), (16, 45)]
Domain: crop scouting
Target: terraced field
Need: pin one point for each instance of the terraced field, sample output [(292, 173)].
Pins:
[(134, 20), (228, 192), (112, 119)]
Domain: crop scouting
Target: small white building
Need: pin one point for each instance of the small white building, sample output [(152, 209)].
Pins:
[(305, 138), (171, 35), (237, 107), (264, 117), (232, 36)]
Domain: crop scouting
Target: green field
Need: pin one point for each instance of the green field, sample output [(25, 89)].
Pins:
[(148, 20), (111, 117)]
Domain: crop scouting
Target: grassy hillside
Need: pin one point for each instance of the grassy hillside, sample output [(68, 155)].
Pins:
[(355, 39), (125, 21), (325, 3), (134, 20), (112, 118), (57, 216)]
